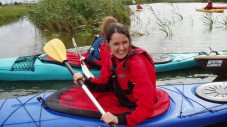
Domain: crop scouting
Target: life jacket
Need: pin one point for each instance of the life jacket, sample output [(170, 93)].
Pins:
[(94, 53), (123, 88)]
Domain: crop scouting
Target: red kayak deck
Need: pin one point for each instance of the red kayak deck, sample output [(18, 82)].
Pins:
[(220, 7)]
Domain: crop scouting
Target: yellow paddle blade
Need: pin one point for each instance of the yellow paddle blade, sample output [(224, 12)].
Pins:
[(56, 49)]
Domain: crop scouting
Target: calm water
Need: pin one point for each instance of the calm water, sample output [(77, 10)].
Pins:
[(187, 35)]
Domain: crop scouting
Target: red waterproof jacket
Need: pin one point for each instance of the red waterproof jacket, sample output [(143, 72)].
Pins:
[(209, 6), (139, 70)]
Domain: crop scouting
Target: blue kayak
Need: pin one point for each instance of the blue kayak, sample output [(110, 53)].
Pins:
[(187, 109), (31, 68)]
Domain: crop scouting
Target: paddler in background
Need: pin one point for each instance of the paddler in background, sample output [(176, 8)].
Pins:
[(138, 6), (209, 5), (99, 50)]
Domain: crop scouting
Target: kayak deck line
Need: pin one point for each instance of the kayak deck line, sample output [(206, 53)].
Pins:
[(210, 109), (21, 105)]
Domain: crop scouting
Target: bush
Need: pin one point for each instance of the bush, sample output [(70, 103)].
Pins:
[(77, 15)]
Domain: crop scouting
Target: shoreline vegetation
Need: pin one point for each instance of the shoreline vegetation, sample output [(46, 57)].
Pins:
[(72, 16), (77, 15), (12, 12)]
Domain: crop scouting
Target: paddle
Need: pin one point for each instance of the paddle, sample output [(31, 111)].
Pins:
[(56, 49), (83, 65)]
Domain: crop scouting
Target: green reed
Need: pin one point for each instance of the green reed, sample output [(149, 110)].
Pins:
[(224, 21), (208, 20), (176, 11), (164, 24), (77, 15)]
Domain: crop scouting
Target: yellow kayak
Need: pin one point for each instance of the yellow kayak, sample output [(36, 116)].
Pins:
[(210, 11)]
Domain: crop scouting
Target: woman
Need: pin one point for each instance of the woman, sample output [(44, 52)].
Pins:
[(130, 73), (99, 50)]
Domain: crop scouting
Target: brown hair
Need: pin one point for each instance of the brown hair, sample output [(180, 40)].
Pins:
[(106, 21), (117, 28)]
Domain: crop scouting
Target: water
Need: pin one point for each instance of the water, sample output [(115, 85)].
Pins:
[(188, 35), (18, 1), (20, 39)]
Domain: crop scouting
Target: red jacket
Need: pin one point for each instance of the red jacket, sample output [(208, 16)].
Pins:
[(141, 72), (209, 6)]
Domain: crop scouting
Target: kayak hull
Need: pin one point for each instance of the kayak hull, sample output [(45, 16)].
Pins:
[(42, 71), (216, 64), (186, 110), (210, 11)]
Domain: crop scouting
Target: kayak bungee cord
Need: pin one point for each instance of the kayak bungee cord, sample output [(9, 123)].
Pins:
[(179, 92), (3, 103), (200, 53), (182, 99), (22, 105), (41, 109)]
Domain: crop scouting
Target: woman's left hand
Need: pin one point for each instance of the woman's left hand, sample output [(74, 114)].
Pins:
[(78, 76), (109, 118)]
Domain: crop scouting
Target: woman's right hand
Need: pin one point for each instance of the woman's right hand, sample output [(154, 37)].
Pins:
[(82, 58), (78, 76)]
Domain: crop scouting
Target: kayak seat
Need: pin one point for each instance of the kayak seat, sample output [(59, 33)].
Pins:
[(74, 101)]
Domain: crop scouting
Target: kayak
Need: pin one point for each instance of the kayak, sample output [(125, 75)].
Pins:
[(210, 11), (33, 68), (220, 7), (188, 108), (36, 68), (215, 63)]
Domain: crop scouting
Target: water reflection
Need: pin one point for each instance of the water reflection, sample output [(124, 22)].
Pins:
[(19, 39)]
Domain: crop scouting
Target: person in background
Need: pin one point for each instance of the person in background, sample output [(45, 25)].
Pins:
[(138, 6), (130, 73), (209, 5), (99, 50)]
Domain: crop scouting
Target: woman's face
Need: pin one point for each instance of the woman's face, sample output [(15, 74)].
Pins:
[(119, 45)]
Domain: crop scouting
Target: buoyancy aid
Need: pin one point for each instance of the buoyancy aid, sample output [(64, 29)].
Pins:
[(122, 85)]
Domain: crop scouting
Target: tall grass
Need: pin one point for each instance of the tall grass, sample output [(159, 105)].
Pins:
[(77, 15), (13, 12)]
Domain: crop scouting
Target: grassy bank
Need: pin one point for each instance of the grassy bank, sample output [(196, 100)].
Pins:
[(12, 12), (77, 15)]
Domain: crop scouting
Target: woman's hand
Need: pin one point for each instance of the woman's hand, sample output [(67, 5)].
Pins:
[(82, 58), (109, 118), (78, 76)]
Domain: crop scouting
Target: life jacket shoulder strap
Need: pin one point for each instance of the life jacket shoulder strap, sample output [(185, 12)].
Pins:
[(138, 51)]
